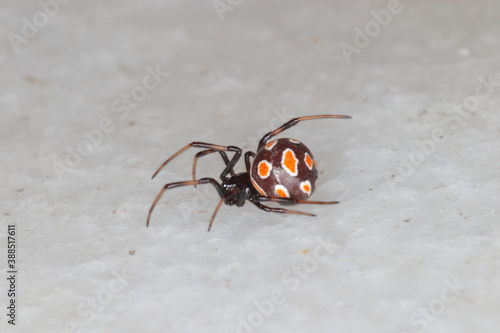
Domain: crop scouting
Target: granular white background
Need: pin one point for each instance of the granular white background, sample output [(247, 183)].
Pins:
[(415, 239)]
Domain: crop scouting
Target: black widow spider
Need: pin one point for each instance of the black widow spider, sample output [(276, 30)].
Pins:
[(283, 171)]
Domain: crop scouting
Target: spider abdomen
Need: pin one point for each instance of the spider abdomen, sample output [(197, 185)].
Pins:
[(284, 168)]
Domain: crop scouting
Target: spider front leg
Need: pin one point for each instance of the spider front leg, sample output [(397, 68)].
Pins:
[(206, 152), (212, 181), (208, 146)]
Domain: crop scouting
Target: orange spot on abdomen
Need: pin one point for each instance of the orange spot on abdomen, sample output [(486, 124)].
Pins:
[(270, 144), (263, 169), (309, 161), (281, 193), (290, 162)]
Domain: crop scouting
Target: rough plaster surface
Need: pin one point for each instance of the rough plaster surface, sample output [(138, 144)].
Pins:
[(413, 246)]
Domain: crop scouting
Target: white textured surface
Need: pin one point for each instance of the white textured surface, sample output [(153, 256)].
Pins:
[(396, 249)]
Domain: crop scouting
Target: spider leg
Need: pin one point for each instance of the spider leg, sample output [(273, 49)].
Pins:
[(215, 213), (223, 198), (292, 123), (292, 201), (230, 166), (212, 181), (256, 202), (207, 146), (206, 152), (248, 154)]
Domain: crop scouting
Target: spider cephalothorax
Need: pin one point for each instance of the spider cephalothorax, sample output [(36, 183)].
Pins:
[(282, 171)]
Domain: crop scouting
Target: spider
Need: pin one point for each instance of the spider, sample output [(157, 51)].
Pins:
[(283, 171)]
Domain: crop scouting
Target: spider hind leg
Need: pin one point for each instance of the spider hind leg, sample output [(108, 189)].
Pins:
[(256, 202)]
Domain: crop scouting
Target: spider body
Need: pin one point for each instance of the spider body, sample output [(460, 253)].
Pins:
[(283, 171)]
